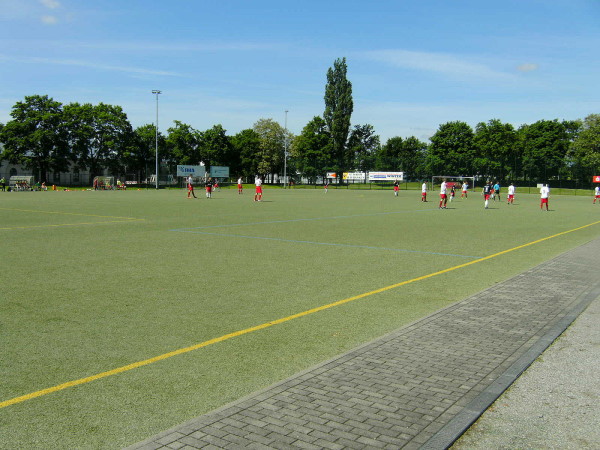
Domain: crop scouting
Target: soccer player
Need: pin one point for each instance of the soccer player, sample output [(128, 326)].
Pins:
[(190, 187), (511, 194), (326, 185), (465, 188), (487, 191), (544, 195), (258, 193), (443, 196), (209, 186), (240, 185), (597, 194), (452, 193), (396, 188), (424, 192)]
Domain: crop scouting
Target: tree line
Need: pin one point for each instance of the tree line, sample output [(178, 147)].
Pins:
[(46, 136)]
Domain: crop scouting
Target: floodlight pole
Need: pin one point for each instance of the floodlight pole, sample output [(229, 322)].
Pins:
[(285, 152), (156, 92)]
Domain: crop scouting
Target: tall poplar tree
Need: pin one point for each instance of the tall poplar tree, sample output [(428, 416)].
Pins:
[(338, 110)]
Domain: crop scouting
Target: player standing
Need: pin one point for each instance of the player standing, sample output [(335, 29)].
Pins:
[(209, 185), (487, 191), (258, 193), (465, 188), (511, 194), (240, 185), (190, 187), (544, 195), (396, 187), (597, 194), (443, 196), (424, 192)]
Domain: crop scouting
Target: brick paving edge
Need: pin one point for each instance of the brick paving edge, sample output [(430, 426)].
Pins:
[(458, 425)]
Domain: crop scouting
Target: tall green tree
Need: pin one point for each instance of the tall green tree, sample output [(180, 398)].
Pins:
[(100, 135), (141, 157), (495, 144), (544, 145), (363, 145), (36, 136), (451, 151), (246, 144), (215, 147), (182, 141), (585, 149), (338, 111), (272, 139), (310, 149)]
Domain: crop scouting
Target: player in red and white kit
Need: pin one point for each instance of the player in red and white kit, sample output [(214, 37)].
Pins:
[(258, 193), (190, 187), (511, 194), (597, 194), (443, 195)]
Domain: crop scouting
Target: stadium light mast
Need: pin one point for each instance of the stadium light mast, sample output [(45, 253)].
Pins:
[(285, 151), (156, 92)]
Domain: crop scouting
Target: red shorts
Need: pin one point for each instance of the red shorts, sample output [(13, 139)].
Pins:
[(510, 196), (208, 188), (396, 188), (259, 189), (597, 196), (486, 196), (544, 200), (423, 194), (442, 196), (239, 186)]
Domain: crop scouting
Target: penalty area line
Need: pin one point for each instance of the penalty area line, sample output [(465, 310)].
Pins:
[(226, 337)]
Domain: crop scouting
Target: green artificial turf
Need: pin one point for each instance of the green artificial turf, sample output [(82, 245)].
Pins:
[(94, 281)]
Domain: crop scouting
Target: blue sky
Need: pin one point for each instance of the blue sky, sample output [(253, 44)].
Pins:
[(413, 64)]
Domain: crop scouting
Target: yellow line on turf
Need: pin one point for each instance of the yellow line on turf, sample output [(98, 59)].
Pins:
[(67, 213), (69, 224), (225, 337)]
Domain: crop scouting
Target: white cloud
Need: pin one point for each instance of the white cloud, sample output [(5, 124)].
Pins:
[(50, 4), (528, 67), (435, 62), (91, 65), (49, 20)]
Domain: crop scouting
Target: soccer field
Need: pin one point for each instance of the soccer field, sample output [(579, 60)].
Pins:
[(123, 313)]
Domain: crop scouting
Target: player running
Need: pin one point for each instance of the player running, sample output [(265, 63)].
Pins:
[(465, 189), (596, 194)]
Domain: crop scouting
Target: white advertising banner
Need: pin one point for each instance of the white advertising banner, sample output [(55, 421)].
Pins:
[(195, 171), (386, 176)]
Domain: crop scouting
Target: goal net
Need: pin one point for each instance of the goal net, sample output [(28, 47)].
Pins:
[(103, 183), (452, 180)]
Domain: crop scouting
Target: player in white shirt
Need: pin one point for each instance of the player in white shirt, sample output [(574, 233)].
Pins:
[(443, 195), (258, 194), (240, 184), (511, 194), (424, 192), (544, 195), (597, 194), (465, 189)]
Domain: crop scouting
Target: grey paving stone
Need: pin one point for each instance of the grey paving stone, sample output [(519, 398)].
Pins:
[(410, 388)]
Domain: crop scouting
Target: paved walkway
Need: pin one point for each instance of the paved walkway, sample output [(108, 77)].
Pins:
[(418, 387)]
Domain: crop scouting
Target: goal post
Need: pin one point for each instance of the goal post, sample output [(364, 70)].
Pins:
[(452, 180), (104, 183)]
